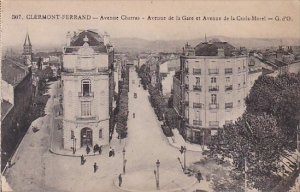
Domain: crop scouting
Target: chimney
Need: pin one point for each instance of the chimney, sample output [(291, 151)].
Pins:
[(221, 52), (68, 39), (106, 39)]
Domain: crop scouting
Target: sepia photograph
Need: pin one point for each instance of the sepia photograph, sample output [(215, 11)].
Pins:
[(149, 96)]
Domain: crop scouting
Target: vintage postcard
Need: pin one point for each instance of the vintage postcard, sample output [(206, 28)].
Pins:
[(140, 96)]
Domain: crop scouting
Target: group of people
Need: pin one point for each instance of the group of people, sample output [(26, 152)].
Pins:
[(96, 148)]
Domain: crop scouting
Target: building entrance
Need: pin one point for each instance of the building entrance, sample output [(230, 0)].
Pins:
[(86, 137)]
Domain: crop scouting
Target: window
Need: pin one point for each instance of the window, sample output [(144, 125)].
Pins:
[(197, 105), (213, 71), (100, 133), (72, 134), (86, 108), (187, 70), (213, 98), (197, 81), (228, 105), (228, 70), (227, 79), (86, 87), (197, 71), (213, 80)]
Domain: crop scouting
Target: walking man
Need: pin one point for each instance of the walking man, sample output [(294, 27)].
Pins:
[(120, 180), (82, 160), (95, 167)]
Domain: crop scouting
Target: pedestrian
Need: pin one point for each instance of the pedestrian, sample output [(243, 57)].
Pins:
[(199, 176), (100, 150), (120, 180), (113, 152), (110, 152), (88, 149), (95, 148), (82, 159), (133, 115), (95, 167)]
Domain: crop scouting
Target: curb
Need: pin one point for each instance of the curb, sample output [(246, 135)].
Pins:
[(67, 155), (183, 188)]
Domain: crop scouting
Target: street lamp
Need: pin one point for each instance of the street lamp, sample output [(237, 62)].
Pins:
[(156, 173), (124, 161)]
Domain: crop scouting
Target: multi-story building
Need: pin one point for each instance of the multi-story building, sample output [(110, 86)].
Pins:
[(16, 97), (210, 88), (88, 87)]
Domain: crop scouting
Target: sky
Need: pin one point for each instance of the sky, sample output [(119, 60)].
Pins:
[(53, 32)]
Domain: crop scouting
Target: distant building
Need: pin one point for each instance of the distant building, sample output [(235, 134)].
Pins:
[(210, 88), (27, 51), (16, 95), (88, 87), (167, 71)]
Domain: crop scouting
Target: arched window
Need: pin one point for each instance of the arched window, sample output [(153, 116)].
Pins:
[(86, 87)]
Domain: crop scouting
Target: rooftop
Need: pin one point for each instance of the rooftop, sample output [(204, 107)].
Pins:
[(91, 37), (211, 48), (12, 71)]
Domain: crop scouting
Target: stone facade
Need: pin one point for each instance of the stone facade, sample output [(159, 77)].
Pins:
[(88, 85), (213, 86)]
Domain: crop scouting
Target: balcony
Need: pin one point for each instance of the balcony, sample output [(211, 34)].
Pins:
[(214, 123), (197, 122), (86, 70), (197, 105), (228, 88), (197, 88), (213, 71), (213, 106), (86, 94), (228, 71), (213, 88), (86, 118), (196, 71)]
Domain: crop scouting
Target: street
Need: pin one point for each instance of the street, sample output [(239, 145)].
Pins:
[(37, 169)]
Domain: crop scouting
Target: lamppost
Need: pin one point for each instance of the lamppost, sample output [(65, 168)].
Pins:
[(124, 161), (156, 173)]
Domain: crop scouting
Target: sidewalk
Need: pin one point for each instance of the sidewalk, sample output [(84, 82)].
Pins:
[(178, 141), (145, 181)]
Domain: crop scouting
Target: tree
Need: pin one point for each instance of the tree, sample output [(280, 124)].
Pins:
[(256, 139), (279, 97)]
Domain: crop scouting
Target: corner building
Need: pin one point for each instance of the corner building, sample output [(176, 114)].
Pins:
[(210, 88), (88, 85)]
